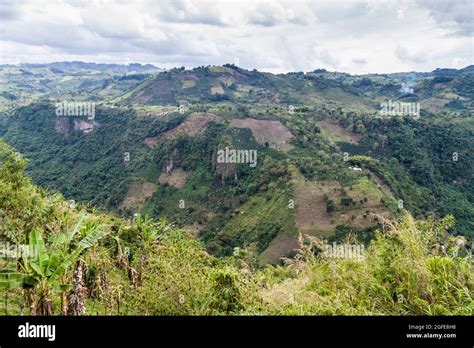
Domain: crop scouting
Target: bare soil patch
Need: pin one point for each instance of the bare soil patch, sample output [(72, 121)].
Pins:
[(176, 178), (337, 133), (194, 124), (138, 193), (195, 229), (226, 80), (265, 131), (190, 77), (433, 104), (217, 90), (157, 88), (244, 88), (151, 142), (311, 216), (383, 185), (282, 245)]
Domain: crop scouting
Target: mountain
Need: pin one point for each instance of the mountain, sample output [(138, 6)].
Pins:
[(448, 89), (25, 83), (231, 83), (313, 153)]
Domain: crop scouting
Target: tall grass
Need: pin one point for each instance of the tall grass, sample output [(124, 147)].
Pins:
[(415, 268)]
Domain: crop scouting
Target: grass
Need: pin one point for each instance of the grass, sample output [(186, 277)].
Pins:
[(188, 84), (402, 273), (365, 188)]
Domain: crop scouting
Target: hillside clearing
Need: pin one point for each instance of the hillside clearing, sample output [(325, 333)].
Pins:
[(138, 192), (194, 125), (274, 133), (176, 178)]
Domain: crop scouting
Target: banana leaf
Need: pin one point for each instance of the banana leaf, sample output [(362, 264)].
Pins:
[(88, 241), (63, 288), (40, 261), (76, 228), (14, 280), (54, 261)]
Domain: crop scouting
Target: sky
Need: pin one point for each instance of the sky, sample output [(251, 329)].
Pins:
[(353, 36)]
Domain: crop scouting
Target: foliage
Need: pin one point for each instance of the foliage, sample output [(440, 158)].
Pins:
[(149, 267)]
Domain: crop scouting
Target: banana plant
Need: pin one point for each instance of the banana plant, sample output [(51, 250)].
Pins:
[(150, 231), (11, 279), (42, 272)]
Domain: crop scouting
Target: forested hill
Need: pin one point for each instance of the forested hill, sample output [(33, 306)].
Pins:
[(329, 163), (92, 263)]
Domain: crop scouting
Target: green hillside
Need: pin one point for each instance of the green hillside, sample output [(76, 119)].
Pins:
[(93, 263), (328, 163)]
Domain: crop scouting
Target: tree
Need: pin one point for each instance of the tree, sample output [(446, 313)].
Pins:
[(330, 206), (45, 271), (346, 201)]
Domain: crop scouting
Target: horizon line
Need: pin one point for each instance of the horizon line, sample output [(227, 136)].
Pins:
[(229, 64)]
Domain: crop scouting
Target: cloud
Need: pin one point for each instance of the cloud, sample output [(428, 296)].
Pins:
[(182, 11), (120, 22), (406, 55), (327, 59), (9, 9), (277, 36), (338, 10), (457, 16), (268, 15), (359, 60)]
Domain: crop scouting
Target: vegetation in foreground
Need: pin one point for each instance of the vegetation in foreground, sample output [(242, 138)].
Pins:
[(88, 262)]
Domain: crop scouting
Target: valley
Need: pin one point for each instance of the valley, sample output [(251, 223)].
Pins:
[(330, 164)]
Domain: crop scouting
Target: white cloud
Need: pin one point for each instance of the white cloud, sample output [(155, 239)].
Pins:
[(407, 55), (359, 60), (277, 36), (457, 16)]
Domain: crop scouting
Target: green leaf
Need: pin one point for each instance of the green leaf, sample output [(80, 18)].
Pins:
[(88, 241), (63, 288), (13, 280), (40, 261), (59, 241), (36, 240), (91, 238), (67, 262), (54, 261), (76, 228)]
